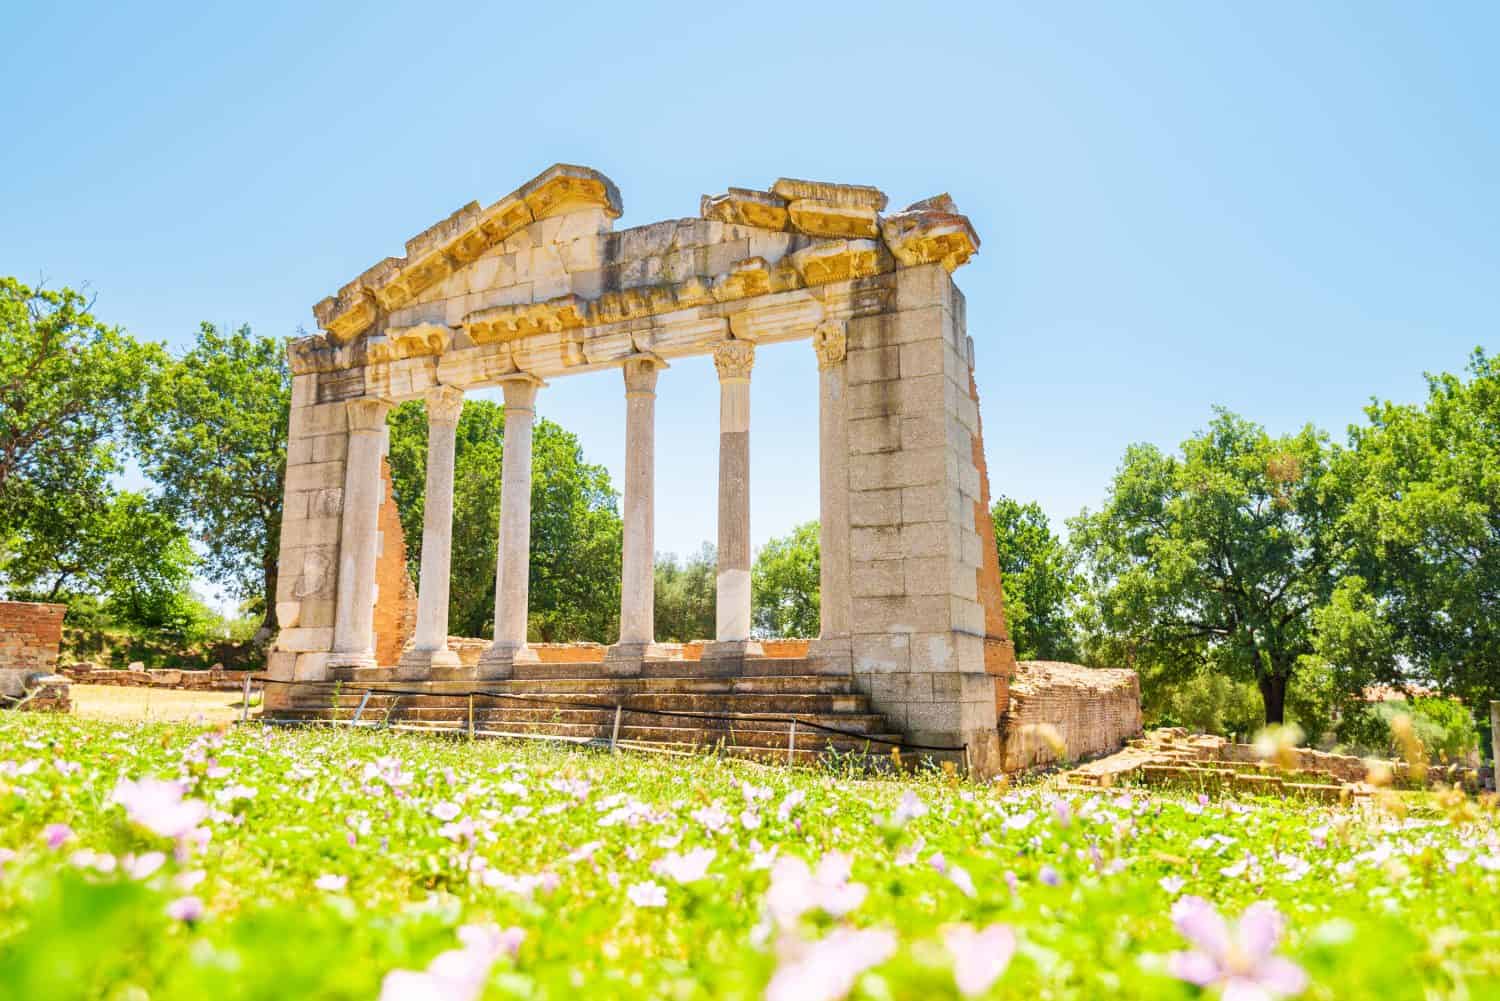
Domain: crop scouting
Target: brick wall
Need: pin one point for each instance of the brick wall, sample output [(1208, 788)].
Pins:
[(30, 637), (1067, 712), (395, 594)]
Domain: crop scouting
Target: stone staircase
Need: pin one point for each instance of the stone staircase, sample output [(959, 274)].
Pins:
[(744, 715)]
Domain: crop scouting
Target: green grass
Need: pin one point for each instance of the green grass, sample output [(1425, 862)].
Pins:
[(1389, 907)]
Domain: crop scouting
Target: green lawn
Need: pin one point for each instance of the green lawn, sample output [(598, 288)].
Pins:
[(313, 864)]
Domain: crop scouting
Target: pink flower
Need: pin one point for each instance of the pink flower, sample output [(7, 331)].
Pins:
[(1049, 876), (458, 974), (795, 889), (1172, 884), (961, 879), (687, 868), (159, 807), (910, 808), (446, 811), (57, 835), (331, 883), (826, 970), (647, 894), (143, 866), (979, 957), (187, 909), (1238, 960)]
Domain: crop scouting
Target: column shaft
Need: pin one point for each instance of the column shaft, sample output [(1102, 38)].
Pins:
[(354, 618), (430, 642), (734, 359), (513, 565), (638, 558)]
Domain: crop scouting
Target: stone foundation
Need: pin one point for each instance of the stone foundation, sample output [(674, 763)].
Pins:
[(216, 679), (1067, 712), (30, 637)]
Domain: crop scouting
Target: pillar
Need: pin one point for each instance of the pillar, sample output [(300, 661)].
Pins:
[(429, 648), (354, 620), (832, 650), (513, 565), (733, 359), (638, 557)]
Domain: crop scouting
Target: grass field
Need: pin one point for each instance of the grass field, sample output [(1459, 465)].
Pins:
[(169, 861)]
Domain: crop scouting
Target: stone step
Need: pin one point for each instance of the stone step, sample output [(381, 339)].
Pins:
[(752, 667), (806, 740), (788, 703), (806, 684), (855, 723)]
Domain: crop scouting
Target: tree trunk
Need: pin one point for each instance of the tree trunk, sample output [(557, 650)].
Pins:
[(269, 625), (1273, 691)]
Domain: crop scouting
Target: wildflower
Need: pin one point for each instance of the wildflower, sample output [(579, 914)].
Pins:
[(962, 880), (331, 883), (910, 808), (711, 818), (458, 974), (446, 811), (57, 835), (1172, 884), (796, 889), (648, 894), (749, 820), (826, 970), (687, 868), (1049, 876), (7, 856), (583, 852), (979, 957), (189, 909), (159, 807), (1238, 961), (790, 802), (143, 866)]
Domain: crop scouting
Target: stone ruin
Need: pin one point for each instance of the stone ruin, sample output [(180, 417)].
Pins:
[(538, 286), (30, 638)]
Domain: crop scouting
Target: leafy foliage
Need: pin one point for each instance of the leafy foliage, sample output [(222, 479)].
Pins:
[(212, 435), (686, 595), (575, 524), (784, 585), (1040, 577)]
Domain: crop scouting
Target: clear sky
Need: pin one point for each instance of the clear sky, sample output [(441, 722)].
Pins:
[(1284, 208)]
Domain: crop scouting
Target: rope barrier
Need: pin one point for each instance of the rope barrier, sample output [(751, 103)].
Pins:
[(555, 703)]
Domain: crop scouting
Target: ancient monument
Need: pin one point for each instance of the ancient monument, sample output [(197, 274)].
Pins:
[(537, 287)]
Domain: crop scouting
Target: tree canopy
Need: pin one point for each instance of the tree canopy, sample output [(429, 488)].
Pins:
[(784, 584), (212, 433), (1040, 579), (686, 595), (1217, 558)]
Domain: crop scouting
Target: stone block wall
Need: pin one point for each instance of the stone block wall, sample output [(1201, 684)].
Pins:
[(916, 554), (395, 594), (30, 637), (1068, 712)]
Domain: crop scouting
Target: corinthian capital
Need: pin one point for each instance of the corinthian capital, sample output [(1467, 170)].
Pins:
[(831, 342), (734, 359), (444, 404)]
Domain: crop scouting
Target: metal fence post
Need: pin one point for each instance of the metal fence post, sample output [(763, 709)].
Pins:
[(614, 737), (245, 702), (471, 715), (360, 711), (791, 740)]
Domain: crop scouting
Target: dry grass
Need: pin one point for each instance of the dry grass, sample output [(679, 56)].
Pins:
[(115, 702)]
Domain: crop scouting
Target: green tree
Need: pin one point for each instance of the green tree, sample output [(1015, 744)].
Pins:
[(784, 584), (1425, 521), (1215, 559), (212, 435), (66, 384), (575, 524), (1041, 581), (686, 595)]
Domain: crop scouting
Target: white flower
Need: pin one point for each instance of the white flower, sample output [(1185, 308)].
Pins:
[(648, 894)]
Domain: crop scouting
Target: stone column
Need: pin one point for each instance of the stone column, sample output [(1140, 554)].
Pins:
[(513, 567), (429, 647), (638, 563), (354, 620), (733, 359), (832, 650)]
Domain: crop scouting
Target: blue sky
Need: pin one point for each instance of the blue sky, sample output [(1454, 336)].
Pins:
[(1281, 208)]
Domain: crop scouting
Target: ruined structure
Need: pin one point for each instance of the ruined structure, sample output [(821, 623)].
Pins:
[(538, 286), (30, 638)]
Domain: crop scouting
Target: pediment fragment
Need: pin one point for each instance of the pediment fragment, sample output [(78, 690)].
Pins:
[(422, 340), (565, 188), (836, 262), (507, 323), (743, 206), (930, 235)]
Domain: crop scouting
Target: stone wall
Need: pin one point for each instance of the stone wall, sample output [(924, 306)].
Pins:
[(30, 637), (1067, 712), (215, 679), (999, 652)]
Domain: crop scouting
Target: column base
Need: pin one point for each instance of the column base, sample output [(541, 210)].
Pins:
[(499, 660), (723, 658), (416, 665), (625, 660), (831, 655), (341, 666)]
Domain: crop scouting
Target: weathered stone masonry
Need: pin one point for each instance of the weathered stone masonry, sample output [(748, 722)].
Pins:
[(30, 638), (537, 286)]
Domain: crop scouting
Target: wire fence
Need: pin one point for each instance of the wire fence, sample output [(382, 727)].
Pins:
[(331, 688)]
